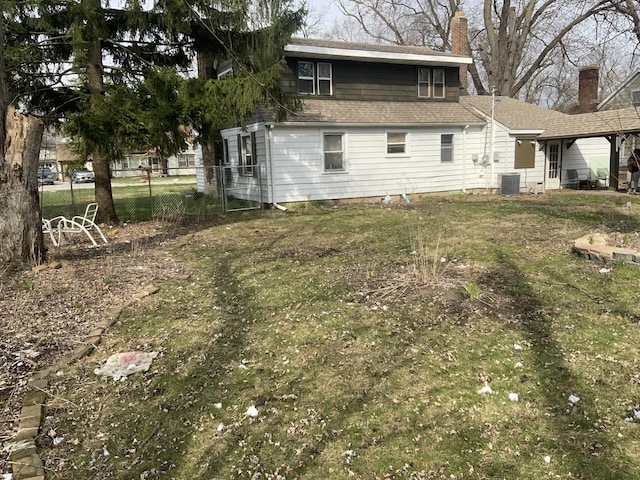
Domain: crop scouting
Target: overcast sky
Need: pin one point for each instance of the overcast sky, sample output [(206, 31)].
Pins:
[(327, 10)]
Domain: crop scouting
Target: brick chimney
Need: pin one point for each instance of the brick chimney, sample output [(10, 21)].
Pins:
[(460, 43), (588, 88)]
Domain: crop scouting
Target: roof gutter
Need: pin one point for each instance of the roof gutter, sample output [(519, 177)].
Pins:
[(375, 56), (369, 124)]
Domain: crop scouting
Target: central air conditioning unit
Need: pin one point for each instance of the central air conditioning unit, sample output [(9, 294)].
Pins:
[(509, 183)]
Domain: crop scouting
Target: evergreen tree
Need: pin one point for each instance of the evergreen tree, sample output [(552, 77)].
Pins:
[(129, 69)]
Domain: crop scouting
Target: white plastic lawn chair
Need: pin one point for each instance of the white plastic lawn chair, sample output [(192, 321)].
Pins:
[(58, 226), (52, 230)]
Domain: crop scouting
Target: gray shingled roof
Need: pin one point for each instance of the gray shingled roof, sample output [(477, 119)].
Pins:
[(514, 114), (596, 124), (384, 113)]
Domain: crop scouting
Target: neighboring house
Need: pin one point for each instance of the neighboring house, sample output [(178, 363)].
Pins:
[(47, 156), (626, 95), (183, 163)]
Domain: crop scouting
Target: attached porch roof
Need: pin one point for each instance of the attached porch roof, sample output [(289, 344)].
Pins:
[(515, 115), (596, 124)]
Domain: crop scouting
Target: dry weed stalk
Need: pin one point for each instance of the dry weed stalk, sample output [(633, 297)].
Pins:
[(429, 264)]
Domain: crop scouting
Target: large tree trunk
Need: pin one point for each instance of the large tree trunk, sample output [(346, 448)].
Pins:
[(21, 240), (104, 196), (213, 180)]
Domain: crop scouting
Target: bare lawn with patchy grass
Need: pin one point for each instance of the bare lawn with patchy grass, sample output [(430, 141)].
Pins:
[(455, 337)]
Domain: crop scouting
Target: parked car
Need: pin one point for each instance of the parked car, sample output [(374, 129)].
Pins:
[(44, 176), (82, 175)]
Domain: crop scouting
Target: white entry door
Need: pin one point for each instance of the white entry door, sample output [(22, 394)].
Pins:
[(552, 180)]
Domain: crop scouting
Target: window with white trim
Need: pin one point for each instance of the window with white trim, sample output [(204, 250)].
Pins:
[(306, 78), (438, 83), (315, 78), (186, 160), (431, 82), (226, 160), (396, 142), (247, 161), (324, 79), (424, 82), (333, 150), (446, 148)]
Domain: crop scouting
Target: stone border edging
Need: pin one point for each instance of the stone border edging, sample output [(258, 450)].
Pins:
[(594, 247), (25, 461)]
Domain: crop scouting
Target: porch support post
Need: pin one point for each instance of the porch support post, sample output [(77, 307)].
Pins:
[(614, 162)]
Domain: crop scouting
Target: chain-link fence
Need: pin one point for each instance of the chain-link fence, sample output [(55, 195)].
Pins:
[(144, 193)]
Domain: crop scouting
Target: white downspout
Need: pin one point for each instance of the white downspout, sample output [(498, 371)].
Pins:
[(492, 151), (272, 178), (464, 158)]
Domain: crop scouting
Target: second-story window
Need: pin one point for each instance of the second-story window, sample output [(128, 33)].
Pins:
[(431, 82), (306, 78), (324, 79), (315, 78)]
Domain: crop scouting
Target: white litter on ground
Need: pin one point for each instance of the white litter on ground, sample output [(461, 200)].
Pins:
[(252, 412), (573, 399), (485, 390), (514, 397), (605, 270), (517, 346), (348, 455), (547, 459)]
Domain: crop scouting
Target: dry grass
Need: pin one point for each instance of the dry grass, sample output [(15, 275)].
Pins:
[(365, 361)]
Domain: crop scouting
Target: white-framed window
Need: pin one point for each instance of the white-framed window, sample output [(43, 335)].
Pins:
[(446, 148), (396, 142), (324, 79), (186, 160), (126, 162), (247, 161), (424, 82), (306, 78), (333, 152), (226, 159), (431, 82), (315, 78), (438, 83)]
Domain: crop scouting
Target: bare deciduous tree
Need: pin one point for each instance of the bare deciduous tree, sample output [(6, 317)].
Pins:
[(512, 42)]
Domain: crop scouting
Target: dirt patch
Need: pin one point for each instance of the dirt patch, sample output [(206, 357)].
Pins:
[(46, 312), (630, 241)]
